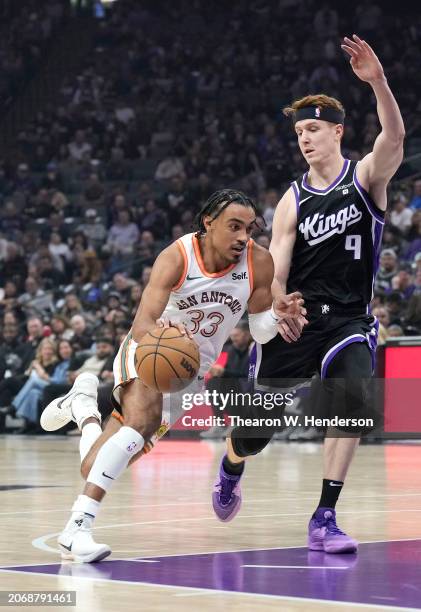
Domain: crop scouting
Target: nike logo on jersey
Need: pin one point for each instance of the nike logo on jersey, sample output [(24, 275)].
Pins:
[(192, 277), (106, 476), (319, 227)]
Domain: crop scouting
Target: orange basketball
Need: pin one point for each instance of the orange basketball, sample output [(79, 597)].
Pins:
[(166, 360)]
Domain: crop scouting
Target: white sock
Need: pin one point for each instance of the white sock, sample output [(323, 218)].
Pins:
[(84, 507), (113, 457), (90, 433), (85, 407)]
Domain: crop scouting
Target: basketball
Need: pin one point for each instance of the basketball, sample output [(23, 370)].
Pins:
[(166, 360)]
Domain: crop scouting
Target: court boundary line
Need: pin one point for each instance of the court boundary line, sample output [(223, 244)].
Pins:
[(204, 591), (49, 549)]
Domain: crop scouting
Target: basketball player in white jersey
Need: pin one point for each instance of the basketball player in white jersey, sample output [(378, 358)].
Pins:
[(202, 284)]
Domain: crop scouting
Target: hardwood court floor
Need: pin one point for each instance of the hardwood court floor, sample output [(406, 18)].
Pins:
[(168, 548)]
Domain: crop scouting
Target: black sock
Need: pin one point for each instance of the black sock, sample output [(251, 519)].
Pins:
[(330, 493), (233, 469)]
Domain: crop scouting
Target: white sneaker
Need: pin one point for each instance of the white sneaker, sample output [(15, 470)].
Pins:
[(59, 412), (77, 544)]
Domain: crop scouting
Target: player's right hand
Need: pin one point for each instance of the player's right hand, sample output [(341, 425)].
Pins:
[(292, 314), (166, 323)]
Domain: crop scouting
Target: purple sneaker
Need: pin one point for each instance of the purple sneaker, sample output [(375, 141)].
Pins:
[(325, 535), (226, 496)]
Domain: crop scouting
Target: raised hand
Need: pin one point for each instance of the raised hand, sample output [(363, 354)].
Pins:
[(364, 61)]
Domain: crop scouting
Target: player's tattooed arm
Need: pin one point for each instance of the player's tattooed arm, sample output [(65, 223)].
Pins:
[(378, 167), (284, 229), (166, 273)]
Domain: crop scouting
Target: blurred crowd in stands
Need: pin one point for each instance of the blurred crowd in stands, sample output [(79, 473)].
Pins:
[(174, 101), (26, 28)]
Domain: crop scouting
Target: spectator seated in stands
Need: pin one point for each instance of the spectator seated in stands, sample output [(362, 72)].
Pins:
[(71, 306), (8, 296), (50, 366), (168, 168), (122, 238), (388, 269), (403, 282), (11, 222), (82, 338), (13, 265), (93, 228), (394, 303), (100, 364), (401, 214), (414, 237), (88, 266), (79, 147), (18, 359), (416, 198), (60, 327), (59, 248), (11, 352)]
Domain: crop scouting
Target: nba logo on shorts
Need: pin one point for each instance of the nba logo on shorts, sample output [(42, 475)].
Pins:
[(317, 111)]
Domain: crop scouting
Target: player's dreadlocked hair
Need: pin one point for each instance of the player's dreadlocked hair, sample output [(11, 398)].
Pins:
[(218, 202)]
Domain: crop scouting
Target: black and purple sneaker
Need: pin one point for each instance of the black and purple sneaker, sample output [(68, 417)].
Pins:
[(226, 496), (325, 535)]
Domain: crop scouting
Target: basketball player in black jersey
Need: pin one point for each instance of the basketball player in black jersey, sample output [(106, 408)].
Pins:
[(326, 237)]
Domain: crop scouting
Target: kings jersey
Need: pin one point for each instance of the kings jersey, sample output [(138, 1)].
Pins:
[(339, 232)]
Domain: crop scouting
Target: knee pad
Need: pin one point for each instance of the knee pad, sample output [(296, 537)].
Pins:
[(353, 401), (113, 457)]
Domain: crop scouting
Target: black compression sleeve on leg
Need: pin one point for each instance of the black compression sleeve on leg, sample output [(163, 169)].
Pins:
[(349, 388), (245, 447)]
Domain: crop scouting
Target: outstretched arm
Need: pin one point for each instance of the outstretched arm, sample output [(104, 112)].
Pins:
[(378, 167)]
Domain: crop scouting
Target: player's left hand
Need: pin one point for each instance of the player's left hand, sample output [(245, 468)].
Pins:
[(364, 61), (290, 305)]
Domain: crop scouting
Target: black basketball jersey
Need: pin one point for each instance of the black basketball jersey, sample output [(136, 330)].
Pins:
[(339, 232)]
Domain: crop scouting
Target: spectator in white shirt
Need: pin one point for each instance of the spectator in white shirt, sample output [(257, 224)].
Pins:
[(79, 147), (60, 248), (169, 167), (401, 214), (123, 234)]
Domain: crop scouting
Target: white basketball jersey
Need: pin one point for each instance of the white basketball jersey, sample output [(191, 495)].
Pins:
[(210, 304)]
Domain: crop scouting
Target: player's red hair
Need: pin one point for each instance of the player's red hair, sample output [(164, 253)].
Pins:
[(317, 100)]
